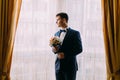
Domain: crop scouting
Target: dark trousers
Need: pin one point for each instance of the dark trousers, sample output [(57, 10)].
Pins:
[(63, 75)]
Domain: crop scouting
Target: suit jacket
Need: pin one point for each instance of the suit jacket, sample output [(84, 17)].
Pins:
[(71, 47)]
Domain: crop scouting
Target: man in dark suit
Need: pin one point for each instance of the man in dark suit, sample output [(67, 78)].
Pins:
[(66, 64)]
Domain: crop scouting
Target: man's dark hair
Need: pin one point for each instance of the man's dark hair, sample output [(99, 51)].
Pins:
[(63, 15)]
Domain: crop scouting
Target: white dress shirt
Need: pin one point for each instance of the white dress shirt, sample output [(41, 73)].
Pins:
[(62, 35)]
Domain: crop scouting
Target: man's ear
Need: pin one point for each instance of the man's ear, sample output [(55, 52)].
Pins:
[(64, 20)]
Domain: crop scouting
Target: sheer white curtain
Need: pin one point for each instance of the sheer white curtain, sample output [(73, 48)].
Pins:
[(33, 58)]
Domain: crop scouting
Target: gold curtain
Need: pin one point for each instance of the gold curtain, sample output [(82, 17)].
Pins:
[(111, 31), (9, 14)]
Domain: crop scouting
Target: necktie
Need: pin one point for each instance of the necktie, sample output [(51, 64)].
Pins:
[(62, 30)]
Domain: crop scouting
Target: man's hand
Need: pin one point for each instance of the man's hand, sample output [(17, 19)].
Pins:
[(55, 49), (60, 55)]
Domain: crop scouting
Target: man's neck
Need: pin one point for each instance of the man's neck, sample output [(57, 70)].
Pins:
[(63, 27)]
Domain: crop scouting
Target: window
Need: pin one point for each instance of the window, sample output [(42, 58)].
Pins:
[(33, 58)]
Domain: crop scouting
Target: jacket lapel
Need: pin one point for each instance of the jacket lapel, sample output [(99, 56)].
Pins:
[(58, 34)]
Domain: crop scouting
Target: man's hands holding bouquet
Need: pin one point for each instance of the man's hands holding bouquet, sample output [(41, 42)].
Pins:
[(55, 43)]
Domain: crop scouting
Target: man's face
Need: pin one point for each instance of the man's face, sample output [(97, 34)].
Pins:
[(59, 21)]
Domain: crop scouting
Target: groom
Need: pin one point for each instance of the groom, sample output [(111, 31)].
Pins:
[(66, 63)]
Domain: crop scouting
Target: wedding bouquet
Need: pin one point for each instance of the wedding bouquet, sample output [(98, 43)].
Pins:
[(55, 41)]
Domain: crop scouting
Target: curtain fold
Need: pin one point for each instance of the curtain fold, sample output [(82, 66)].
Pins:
[(111, 32), (9, 14)]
